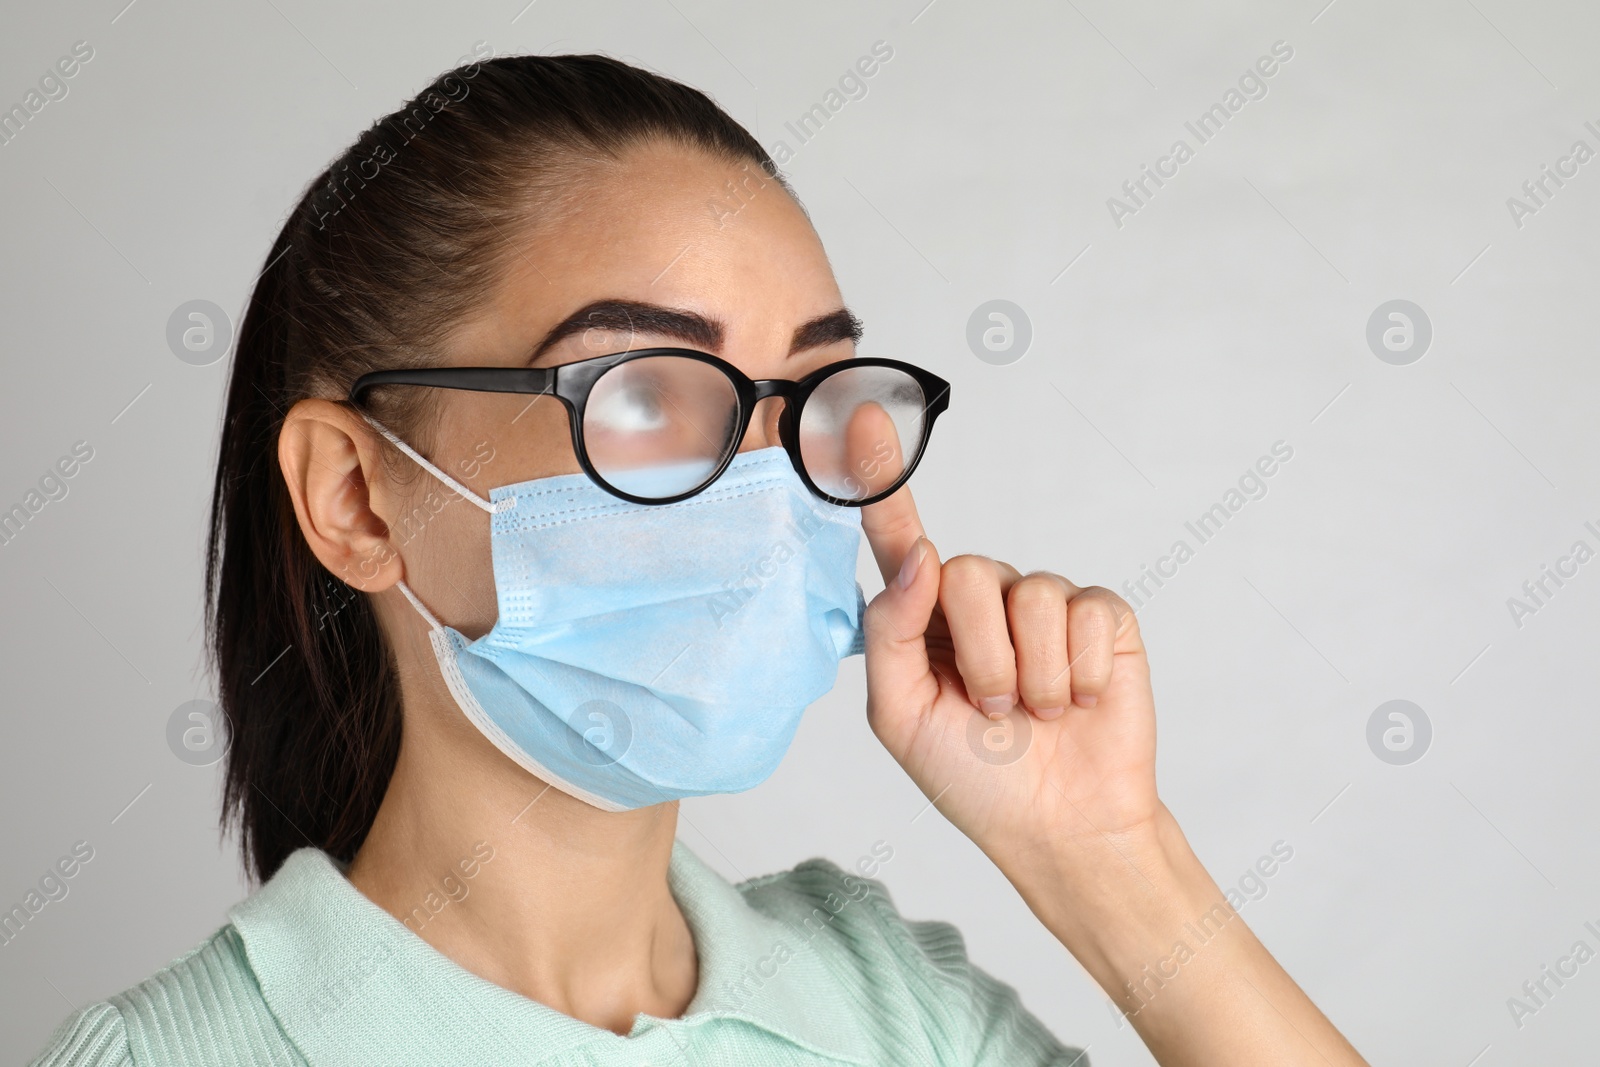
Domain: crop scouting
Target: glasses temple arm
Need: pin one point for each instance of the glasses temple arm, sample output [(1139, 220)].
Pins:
[(477, 379)]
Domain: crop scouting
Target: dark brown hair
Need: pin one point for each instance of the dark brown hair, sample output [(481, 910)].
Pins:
[(395, 243)]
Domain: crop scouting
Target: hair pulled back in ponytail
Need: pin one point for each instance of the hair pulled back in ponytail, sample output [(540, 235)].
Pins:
[(387, 250)]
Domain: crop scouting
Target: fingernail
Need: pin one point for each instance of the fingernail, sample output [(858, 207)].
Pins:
[(992, 706), (908, 569), (1084, 700), (1050, 713)]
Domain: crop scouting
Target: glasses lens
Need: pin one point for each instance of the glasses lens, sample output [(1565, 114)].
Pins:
[(658, 426), (861, 429)]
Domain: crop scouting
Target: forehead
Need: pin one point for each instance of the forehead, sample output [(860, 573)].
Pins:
[(672, 226)]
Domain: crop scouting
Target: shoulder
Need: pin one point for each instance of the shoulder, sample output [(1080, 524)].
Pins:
[(852, 917), (90, 1037), (842, 911), (202, 1008), (916, 967)]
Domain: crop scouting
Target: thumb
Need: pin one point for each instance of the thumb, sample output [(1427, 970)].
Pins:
[(899, 677)]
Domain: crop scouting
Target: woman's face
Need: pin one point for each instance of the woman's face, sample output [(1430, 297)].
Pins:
[(671, 248)]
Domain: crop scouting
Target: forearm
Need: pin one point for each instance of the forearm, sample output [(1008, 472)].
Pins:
[(1153, 928)]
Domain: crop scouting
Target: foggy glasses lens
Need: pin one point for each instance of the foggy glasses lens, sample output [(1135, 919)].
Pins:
[(657, 426), (861, 430)]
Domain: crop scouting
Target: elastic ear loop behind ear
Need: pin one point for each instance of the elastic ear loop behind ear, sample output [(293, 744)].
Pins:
[(426, 614), (492, 507)]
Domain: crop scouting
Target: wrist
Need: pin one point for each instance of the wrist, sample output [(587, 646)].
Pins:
[(1119, 901), (1141, 914)]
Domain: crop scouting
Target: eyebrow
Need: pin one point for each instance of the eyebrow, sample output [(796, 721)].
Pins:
[(637, 317)]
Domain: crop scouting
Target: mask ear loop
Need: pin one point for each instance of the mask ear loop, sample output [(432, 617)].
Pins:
[(503, 504), (426, 614)]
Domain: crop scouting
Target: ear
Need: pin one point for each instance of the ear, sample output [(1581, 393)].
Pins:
[(331, 461)]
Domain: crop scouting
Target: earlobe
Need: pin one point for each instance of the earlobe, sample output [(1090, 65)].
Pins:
[(328, 458)]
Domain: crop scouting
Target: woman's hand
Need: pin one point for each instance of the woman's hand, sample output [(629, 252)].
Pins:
[(1020, 704), (1058, 789)]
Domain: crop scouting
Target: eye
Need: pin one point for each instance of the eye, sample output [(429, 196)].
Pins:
[(635, 408)]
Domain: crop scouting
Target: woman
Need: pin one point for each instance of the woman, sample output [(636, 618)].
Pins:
[(479, 624)]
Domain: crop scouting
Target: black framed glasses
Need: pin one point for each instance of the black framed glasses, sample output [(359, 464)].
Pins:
[(658, 425)]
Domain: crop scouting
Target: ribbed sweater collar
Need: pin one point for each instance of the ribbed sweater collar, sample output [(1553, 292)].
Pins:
[(349, 983)]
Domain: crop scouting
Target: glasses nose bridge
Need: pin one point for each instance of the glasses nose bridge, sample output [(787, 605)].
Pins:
[(781, 388), (768, 387)]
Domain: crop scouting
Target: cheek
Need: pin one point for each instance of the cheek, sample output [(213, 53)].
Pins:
[(442, 539), (490, 441), (452, 558), (495, 439), (532, 440)]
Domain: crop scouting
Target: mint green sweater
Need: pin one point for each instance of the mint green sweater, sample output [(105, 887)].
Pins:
[(811, 966)]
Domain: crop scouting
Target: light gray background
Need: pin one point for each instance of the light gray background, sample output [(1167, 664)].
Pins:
[(1228, 314)]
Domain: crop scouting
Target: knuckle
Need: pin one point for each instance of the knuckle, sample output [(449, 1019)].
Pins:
[(1094, 608), (1035, 595), (970, 565), (1119, 608), (968, 573)]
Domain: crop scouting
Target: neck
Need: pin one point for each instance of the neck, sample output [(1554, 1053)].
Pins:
[(523, 885)]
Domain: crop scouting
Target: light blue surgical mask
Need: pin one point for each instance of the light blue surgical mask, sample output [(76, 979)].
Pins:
[(648, 652)]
